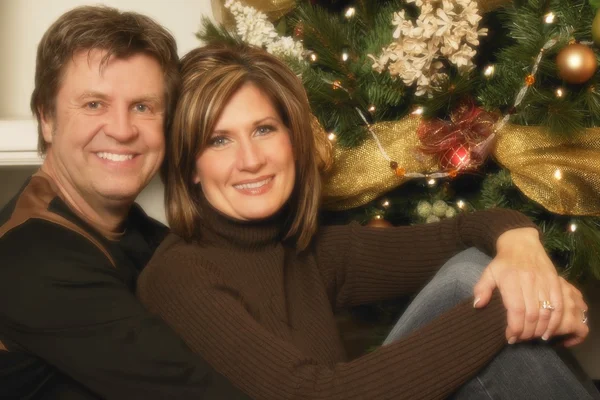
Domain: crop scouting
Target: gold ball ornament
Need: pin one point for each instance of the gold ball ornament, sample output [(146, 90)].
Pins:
[(596, 29), (576, 63), (379, 223)]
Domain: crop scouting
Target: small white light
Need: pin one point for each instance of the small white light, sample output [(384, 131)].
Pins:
[(385, 203), (345, 56), (372, 108), (350, 11), (460, 204), (549, 18), (431, 182), (558, 174), (378, 216), (332, 137), (560, 92), (573, 227), (418, 111), (489, 71), (313, 57)]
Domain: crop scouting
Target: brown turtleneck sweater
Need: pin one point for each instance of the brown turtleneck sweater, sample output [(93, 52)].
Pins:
[(262, 314)]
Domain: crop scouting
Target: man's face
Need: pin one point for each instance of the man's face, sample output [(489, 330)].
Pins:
[(106, 140)]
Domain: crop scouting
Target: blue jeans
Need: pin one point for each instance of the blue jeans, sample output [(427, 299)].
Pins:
[(527, 370)]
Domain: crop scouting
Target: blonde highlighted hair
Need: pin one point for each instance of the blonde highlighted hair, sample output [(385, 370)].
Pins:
[(210, 76)]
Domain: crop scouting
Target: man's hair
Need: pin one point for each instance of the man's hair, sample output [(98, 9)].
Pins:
[(210, 76), (119, 34)]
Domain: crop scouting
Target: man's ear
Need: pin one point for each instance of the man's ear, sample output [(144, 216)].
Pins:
[(47, 125)]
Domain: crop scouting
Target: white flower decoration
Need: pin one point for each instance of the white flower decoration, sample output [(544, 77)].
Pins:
[(444, 30), (254, 28)]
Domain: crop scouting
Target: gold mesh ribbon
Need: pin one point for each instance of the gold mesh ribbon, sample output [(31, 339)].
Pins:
[(536, 160), (274, 9), (532, 155), (361, 174)]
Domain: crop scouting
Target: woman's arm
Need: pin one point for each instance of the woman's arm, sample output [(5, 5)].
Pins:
[(212, 319), (363, 265)]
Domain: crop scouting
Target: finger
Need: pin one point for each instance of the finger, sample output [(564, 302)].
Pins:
[(578, 337), (544, 316), (558, 293), (484, 288), (532, 304), (512, 297)]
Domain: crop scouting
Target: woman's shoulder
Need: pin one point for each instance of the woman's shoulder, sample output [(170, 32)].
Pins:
[(176, 253)]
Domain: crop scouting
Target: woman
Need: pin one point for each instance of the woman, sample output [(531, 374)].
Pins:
[(251, 282)]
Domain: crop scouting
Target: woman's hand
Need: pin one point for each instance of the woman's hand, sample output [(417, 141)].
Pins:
[(574, 322), (526, 278)]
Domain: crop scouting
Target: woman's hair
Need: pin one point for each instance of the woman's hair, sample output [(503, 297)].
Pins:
[(120, 34), (210, 76)]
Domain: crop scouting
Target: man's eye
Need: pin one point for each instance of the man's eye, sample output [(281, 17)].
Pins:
[(141, 108), (93, 105)]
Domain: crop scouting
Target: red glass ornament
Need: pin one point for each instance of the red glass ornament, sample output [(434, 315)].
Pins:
[(456, 158)]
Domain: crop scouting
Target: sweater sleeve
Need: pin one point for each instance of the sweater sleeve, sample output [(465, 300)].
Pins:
[(66, 304), (213, 319), (362, 264)]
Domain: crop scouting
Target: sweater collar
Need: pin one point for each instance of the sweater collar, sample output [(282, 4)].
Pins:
[(220, 228)]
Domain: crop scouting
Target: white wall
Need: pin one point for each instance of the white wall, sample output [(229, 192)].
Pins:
[(23, 22)]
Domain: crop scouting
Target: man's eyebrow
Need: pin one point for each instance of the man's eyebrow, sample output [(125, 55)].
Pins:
[(93, 94), (150, 98)]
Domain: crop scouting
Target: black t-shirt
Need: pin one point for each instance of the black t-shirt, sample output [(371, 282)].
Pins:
[(69, 320)]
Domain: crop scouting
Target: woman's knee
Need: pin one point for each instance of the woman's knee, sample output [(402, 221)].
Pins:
[(462, 272)]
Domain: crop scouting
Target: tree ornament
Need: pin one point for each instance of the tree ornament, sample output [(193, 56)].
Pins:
[(312, 57), (424, 209), (457, 157), (299, 30), (576, 63), (529, 80), (432, 218), (450, 212), (596, 29), (379, 222), (439, 208)]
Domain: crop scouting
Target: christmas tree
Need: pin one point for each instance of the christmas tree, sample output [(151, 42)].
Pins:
[(440, 107)]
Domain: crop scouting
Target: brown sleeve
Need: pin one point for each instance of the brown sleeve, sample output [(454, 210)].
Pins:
[(211, 318), (362, 265)]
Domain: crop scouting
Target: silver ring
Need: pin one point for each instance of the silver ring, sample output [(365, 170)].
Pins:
[(585, 316), (546, 305)]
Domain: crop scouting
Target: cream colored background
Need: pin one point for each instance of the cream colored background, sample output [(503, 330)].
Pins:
[(22, 23)]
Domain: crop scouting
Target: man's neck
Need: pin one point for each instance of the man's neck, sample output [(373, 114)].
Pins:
[(103, 214)]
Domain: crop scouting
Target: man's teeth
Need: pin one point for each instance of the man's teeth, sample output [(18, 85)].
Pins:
[(253, 185), (115, 157)]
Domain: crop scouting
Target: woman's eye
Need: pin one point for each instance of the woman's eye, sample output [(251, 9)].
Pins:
[(263, 130), (218, 141)]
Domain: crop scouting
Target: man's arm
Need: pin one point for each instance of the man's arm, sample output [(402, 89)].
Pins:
[(62, 300)]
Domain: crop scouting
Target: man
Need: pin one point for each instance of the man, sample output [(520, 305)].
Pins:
[(72, 241)]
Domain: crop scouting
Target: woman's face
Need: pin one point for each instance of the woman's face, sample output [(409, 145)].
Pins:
[(247, 170)]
